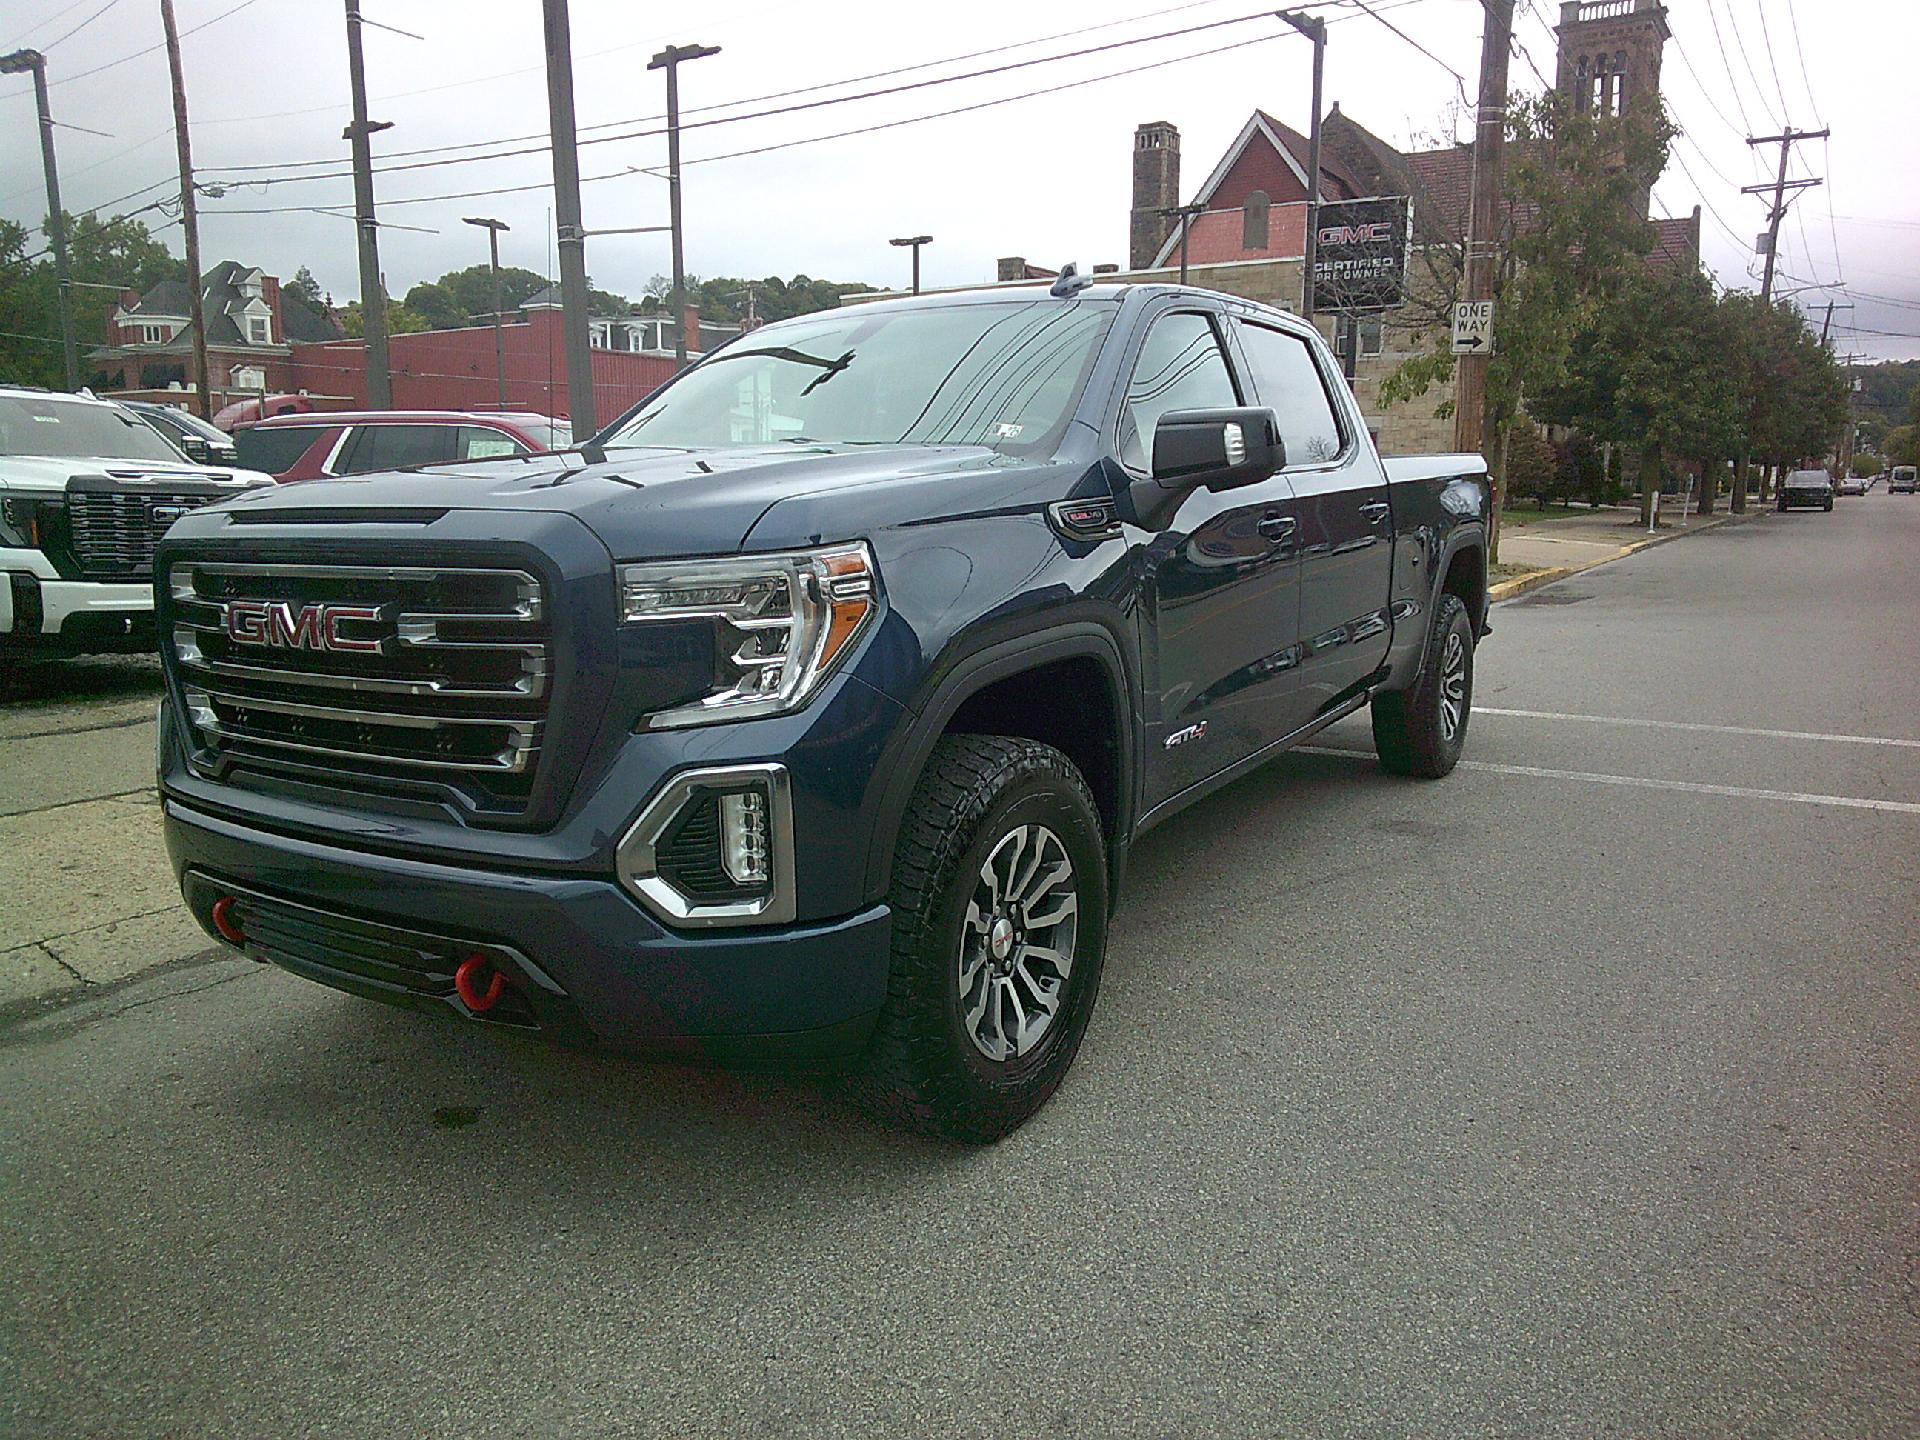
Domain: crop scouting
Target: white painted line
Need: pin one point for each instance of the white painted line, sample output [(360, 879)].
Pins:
[(1691, 787), (1691, 725)]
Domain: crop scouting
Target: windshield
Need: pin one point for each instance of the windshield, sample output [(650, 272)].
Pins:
[(1003, 375), (73, 429), (205, 429)]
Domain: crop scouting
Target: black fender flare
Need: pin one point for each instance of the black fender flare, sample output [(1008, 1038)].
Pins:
[(956, 681), (1471, 534)]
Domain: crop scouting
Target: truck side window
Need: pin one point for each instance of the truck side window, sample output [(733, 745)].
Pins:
[(477, 443), (1181, 367), (388, 447), (1290, 384)]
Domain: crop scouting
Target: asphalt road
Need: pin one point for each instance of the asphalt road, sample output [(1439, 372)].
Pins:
[(1573, 1095)]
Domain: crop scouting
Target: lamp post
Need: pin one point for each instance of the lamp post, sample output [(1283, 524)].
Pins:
[(493, 229), (1184, 214), (916, 241), (670, 60), (34, 63)]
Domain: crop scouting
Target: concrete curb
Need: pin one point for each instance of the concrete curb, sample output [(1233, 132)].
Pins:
[(1521, 584)]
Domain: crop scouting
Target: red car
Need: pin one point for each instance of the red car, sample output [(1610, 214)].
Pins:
[(307, 447)]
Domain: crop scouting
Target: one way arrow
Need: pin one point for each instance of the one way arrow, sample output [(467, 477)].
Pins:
[(1472, 342)]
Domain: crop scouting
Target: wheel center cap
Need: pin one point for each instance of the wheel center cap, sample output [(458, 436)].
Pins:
[(1000, 938)]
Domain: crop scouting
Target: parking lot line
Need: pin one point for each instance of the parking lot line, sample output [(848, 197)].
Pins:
[(1692, 787), (1694, 725)]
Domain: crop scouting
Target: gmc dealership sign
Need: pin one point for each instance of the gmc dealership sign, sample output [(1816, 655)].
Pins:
[(1360, 253)]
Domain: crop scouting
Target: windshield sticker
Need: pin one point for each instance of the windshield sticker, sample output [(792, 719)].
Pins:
[(1008, 432)]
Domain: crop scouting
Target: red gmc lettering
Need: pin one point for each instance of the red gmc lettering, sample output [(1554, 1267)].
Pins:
[(336, 641), (279, 624)]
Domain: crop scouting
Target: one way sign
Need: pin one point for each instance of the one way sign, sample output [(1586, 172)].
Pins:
[(1473, 327)]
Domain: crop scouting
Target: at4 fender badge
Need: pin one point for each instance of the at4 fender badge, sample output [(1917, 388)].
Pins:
[(1192, 732)]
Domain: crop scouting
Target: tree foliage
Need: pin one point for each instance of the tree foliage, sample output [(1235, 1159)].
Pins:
[(109, 256), (304, 288), (402, 319)]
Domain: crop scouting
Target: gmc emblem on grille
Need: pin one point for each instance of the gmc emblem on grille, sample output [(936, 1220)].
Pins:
[(286, 626)]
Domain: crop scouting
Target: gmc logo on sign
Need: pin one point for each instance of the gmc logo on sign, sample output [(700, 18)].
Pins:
[(1379, 232), (283, 625)]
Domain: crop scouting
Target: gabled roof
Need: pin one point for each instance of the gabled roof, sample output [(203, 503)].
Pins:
[(169, 297)]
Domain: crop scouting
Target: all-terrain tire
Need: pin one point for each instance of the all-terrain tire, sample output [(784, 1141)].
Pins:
[(923, 1069), (1422, 731)]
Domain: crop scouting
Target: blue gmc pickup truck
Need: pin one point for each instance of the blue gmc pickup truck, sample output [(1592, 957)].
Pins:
[(810, 709)]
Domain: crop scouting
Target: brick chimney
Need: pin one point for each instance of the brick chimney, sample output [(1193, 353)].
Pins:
[(270, 292), (1156, 187), (690, 323), (1011, 267)]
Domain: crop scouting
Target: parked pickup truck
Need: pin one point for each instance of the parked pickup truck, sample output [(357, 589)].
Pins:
[(86, 488), (810, 709)]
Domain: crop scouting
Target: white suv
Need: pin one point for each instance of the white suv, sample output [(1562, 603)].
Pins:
[(86, 488)]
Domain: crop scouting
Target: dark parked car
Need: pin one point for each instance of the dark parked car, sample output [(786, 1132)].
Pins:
[(311, 446), (197, 439), (813, 708), (1806, 487)]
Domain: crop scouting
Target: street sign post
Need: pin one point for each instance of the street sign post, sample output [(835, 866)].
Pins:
[(1473, 327)]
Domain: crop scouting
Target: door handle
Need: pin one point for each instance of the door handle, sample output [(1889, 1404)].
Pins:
[(1376, 511), (1277, 528)]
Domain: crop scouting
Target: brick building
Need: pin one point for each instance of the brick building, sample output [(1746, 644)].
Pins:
[(263, 342), (1250, 237)]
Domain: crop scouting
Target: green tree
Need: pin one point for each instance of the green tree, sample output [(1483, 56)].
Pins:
[(1902, 446), (1648, 372), (304, 288), (1573, 232), (104, 257), (401, 320)]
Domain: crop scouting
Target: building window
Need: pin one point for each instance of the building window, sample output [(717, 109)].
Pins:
[(259, 329), (1253, 222), (155, 334), (1372, 336), (250, 378)]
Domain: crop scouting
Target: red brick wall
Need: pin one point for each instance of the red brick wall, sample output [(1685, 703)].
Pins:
[(1260, 167), (455, 370)]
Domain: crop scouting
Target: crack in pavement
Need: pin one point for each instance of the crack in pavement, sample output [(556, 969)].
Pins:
[(65, 804)]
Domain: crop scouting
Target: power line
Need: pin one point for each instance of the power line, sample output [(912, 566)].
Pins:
[(1459, 80), (543, 147), (1745, 59), (48, 20), (1800, 53), (81, 26), (1726, 61), (114, 64), (787, 144)]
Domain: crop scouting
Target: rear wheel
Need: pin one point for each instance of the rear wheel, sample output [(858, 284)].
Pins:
[(1423, 730), (999, 902)]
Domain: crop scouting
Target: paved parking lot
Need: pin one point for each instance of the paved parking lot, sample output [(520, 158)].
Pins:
[(1572, 1095)]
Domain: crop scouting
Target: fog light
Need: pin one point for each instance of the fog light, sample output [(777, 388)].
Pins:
[(743, 836)]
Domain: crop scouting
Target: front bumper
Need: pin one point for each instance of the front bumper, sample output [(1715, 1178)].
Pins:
[(41, 610), (596, 965)]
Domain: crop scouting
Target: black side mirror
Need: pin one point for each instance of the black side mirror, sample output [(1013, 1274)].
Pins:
[(1217, 449)]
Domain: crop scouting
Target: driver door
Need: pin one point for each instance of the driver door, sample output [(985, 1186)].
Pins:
[(1223, 622)]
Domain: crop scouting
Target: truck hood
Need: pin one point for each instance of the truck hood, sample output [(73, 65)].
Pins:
[(657, 503), (48, 474)]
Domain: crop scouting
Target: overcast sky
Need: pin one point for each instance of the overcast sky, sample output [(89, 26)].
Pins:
[(1045, 177)]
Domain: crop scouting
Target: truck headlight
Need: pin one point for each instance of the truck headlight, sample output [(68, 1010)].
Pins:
[(780, 623)]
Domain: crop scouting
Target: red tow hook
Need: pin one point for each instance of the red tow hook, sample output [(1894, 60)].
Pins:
[(467, 980), (224, 922)]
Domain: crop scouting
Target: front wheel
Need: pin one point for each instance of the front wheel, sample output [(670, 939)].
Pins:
[(1423, 730), (999, 902), (1828, 505)]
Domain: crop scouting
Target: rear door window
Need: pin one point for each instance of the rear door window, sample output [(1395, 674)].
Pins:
[(477, 442), (394, 447), (1291, 385), (275, 449)]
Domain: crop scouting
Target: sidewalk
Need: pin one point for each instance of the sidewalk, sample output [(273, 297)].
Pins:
[(1546, 546)]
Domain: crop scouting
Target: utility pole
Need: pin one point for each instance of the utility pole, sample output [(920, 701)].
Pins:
[(1315, 29), (493, 229), (14, 64), (1183, 213), (568, 229), (1826, 325), (1776, 212), (373, 295), (669, 60), (189, 213), (916, 241), (1489, 147)]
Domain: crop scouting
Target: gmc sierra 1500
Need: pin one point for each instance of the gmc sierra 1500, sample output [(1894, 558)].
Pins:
[(809, 710)]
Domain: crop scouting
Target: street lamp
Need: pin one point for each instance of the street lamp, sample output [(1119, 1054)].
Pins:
[(916, 241), (493, 229)]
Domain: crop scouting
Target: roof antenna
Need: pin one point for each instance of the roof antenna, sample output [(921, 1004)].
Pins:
[(1070, 283)]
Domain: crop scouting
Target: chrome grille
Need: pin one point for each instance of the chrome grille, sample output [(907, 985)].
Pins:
[(114, 531), (378, 672)]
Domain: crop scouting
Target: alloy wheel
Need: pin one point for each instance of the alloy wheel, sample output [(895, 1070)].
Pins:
[(1017, 946), (1453, 686)]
